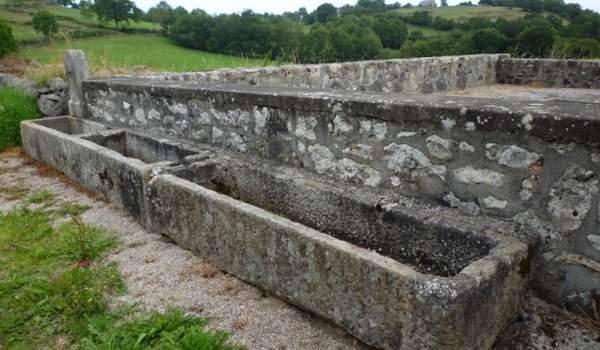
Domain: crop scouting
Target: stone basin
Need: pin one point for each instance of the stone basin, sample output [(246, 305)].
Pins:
[(394, 276)]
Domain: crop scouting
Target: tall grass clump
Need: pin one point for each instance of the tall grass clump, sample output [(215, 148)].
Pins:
[(15, 106)]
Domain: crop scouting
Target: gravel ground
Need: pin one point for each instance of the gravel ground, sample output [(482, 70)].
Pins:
[(159, 274)]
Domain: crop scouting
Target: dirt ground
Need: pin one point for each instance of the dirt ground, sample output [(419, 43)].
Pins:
[(159, 274)]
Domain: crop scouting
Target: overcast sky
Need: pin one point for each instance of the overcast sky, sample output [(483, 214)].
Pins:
[(279, 6)]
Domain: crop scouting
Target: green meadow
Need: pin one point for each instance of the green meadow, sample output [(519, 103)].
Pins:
[(153, 52)]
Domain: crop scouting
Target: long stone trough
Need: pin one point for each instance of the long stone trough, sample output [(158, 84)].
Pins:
[(395, 275)]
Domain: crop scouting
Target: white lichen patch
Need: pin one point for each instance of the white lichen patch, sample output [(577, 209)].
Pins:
[(526, 122), (464, 147), (305, 127), (404, 158), (470, 126), (322, 158), (260, 119), (440, 148), (512, 156), (494, 203), (140, 116), (448, 124), (374, 130), (237, 142), (406, 134), (153, 114), (216, 133), (470, 175), (340, 127)]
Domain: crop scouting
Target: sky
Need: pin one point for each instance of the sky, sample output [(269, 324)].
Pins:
[(279, 6)]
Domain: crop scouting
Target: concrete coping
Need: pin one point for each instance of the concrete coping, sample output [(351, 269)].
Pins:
[(548, 120)]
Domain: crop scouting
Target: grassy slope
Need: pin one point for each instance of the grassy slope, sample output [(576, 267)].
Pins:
[(68, 19), (157, 53), (463, 13)]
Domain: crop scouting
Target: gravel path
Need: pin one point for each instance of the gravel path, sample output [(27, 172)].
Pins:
[(159, 274)]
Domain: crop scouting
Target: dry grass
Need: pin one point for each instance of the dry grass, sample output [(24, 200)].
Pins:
[(229, 288), (204, 270), (241, 322), (554, 315)]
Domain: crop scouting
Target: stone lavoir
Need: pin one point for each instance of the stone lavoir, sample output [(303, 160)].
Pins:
[(354, 164)]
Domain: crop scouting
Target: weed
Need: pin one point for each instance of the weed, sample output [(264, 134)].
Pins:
[(152, 330), (15, 106), (85, 244), (71, 209), (40, 197)]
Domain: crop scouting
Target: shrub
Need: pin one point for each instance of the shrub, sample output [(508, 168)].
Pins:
[(45, 22), (15, 106), (7, 41)]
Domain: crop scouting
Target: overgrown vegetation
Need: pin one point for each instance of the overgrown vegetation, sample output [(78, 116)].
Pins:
[(55, 292), (15, 106)]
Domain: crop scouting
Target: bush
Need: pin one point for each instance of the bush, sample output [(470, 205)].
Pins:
[(45, 22), (15, 106), (7, 41)]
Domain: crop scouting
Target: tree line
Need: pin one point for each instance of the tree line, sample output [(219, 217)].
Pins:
[(370, 30)]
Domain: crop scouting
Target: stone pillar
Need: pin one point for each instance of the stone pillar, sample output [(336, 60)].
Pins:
[(77, 71)]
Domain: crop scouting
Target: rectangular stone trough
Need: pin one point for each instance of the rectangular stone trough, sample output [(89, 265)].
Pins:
[(111, 163), (395, 276)]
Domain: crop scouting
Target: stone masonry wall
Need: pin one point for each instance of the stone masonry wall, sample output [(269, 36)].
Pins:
[(550, 73), (536, 164), (419, 75)]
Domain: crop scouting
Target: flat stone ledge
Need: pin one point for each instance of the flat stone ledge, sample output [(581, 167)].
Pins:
[(551, 120)]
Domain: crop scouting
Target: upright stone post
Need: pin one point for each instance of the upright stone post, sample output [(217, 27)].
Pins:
[(77, 71)]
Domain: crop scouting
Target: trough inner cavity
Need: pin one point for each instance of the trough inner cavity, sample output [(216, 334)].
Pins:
[(358, 219), (71, 126), (144, 148)]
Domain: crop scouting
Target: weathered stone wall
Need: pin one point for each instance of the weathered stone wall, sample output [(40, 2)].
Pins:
[(549, 73), (537, 164), (534, 163), (419, 75)]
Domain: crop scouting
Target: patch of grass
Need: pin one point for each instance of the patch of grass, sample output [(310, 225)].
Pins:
[(39, 197), (15, 106), (132, 52), (152, 330), (464, 13), (55, 292)]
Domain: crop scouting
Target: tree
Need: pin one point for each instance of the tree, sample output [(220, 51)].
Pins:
[(325, 13), (390, 29), (7, 41), (444, 3), (163, 14), (487, 40), (112, 10), (45, 22), (536, 41)]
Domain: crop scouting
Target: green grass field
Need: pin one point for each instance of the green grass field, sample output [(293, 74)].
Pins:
[(157, 53), (463, 13)]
